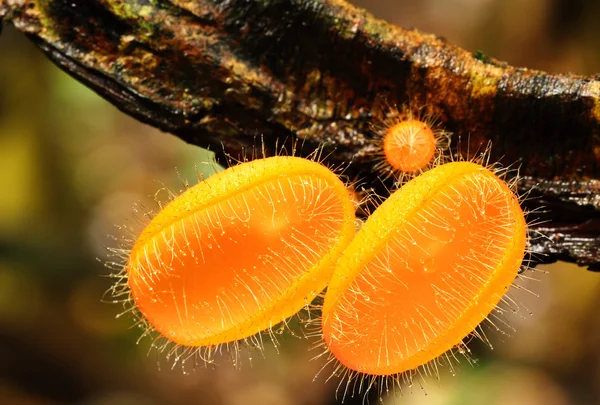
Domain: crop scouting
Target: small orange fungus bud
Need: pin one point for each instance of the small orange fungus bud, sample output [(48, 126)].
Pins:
[(409, 142), (424, 270), (241, 251), (409, 145)]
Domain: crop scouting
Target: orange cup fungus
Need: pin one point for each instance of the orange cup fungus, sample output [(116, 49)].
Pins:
[(409, 146), (241, 251), (425, 269)]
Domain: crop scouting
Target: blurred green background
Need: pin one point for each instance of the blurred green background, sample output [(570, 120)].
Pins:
[(72, 167)]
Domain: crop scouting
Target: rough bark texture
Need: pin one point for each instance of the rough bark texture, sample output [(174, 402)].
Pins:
[(222, 72)]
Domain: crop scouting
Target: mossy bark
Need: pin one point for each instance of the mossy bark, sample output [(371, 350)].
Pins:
[(224, 72)]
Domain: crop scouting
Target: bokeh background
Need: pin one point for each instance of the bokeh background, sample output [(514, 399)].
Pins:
[(72, 167)]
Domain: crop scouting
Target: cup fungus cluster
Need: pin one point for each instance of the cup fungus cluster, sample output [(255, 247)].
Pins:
[(244, 250)]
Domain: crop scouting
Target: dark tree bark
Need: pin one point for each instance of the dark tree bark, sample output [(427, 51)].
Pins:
[(222, 72)]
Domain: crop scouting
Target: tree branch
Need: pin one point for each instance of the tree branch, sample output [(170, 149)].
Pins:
[(221, 72)]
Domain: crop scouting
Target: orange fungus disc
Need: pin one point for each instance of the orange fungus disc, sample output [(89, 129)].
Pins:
[(409, 145), (241, 251), (424, 270)]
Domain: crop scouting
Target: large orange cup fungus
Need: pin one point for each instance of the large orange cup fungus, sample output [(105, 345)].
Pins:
[(425, 270), (241, 251)]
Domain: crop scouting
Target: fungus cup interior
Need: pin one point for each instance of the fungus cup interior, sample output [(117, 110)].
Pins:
[(241, 251), (425, 269), (409, 145)]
